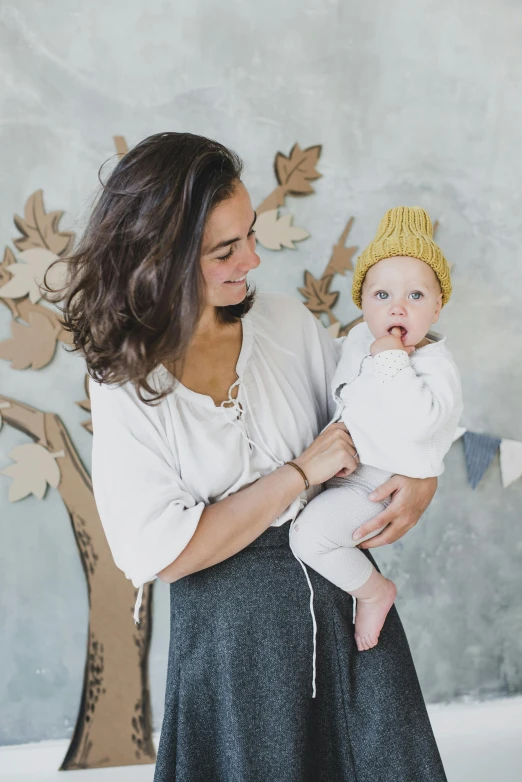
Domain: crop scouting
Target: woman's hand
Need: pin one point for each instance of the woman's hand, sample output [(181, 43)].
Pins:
[(410, 498), (331, 453)]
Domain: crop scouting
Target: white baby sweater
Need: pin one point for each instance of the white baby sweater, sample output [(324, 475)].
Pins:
[(402, 411)]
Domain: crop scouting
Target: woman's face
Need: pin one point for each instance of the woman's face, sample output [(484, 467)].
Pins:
[(229, 250)]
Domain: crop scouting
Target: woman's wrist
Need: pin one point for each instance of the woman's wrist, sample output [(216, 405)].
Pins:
[(301, 473), (293, 478)]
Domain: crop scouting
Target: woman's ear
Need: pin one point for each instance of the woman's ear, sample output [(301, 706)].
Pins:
[(438, 308)]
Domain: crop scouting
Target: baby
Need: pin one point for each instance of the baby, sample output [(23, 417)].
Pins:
[(398, 392)]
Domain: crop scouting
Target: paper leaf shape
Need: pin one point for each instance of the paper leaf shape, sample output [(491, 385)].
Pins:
[(341, 259), (317, 293), (295, 171), (3, 406), (458, 433), (28, 273), (275, 232), (510, 461), (480, 450), (40, 229), (35, 468), (30, 346)]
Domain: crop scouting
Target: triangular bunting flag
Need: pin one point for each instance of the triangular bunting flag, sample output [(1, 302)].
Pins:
[(458, 434), (480, 450), (510, 461)]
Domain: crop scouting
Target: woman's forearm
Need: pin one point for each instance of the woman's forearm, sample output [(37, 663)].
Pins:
[(229, 525)]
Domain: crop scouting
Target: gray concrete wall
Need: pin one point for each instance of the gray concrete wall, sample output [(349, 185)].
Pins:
[(414, 102)]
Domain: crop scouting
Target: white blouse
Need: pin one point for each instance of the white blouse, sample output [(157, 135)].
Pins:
[(154, 469)]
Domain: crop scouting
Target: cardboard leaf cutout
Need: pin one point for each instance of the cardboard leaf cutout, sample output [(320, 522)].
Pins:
[(296, 171), (275, 232), (317, 293), (35, 468), (40, 229), (28, 272), (30, 346), (341, 258)]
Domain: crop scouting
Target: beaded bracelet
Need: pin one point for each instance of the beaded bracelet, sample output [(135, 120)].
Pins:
[(293, 464)]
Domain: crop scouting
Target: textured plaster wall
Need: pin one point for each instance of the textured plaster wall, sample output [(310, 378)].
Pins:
[(415, 103)]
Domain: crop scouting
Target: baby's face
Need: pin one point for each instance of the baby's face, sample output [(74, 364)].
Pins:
[(402, 292)]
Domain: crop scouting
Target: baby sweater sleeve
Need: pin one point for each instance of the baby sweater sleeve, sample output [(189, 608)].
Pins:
[(421, 399), (147, 514)]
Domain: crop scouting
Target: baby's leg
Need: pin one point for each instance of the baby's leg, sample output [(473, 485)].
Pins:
[(322, 537)]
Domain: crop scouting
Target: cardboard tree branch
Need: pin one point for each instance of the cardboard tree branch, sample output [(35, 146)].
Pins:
[(114, 724)]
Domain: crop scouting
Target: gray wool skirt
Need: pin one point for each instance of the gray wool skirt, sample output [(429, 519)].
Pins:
[(238, 703)]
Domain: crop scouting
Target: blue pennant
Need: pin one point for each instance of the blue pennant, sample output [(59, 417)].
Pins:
[(480, 450)]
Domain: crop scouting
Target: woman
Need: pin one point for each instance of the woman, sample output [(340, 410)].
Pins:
[(206, 394)]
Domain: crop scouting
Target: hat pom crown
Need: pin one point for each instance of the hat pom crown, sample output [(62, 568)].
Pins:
[(405, 221)]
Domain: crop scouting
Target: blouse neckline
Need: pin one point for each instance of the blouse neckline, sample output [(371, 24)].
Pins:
[(242, 360)]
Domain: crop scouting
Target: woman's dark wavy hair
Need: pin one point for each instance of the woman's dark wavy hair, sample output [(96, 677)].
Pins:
[(135, 290)]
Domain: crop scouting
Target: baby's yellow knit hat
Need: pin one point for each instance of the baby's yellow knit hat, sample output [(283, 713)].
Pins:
[(405, 230)]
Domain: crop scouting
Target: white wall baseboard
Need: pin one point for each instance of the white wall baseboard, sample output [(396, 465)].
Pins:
[(478, 741)]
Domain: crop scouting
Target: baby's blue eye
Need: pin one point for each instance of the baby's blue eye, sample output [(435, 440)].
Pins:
[(417, 295), (379, 294)]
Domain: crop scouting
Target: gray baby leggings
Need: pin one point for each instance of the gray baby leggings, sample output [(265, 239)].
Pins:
[(321, 536)]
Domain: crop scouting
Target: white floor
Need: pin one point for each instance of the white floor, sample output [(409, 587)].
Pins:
[(478, 742)]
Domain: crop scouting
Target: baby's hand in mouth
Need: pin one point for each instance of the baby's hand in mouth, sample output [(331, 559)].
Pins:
[(391, 341)]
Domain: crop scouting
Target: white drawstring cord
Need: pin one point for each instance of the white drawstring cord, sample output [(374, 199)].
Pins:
[(354, 604), (314, 622), (138, 605)]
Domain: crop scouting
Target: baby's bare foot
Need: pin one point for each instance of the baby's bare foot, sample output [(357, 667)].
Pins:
[(378, 595)]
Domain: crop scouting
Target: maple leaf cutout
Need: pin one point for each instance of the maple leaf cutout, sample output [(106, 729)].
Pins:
[(40, 229), (295, 171), (28, 276), (275, 232), (30, 346), (35, 467), (319, 298)]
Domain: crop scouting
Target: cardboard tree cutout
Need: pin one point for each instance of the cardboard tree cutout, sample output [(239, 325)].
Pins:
[(114, 725)]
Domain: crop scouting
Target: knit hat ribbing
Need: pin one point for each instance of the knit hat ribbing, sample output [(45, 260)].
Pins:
[(405, 230)]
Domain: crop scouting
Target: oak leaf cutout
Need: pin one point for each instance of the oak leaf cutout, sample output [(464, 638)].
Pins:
[(296, 171), (35, 467), (40, 229), (31, 345), (317, 293), (27, 276), (274, 231)]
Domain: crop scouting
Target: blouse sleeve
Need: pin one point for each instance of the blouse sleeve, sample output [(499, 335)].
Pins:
[(147, 514)]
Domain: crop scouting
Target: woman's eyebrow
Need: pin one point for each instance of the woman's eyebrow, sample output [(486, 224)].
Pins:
[(231, 241)]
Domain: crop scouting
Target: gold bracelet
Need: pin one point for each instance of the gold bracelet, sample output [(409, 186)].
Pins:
[(293, 464)]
